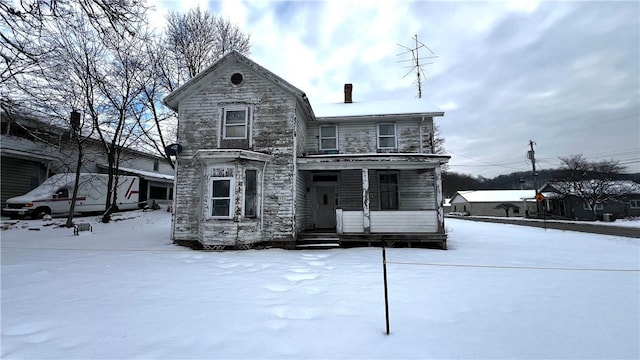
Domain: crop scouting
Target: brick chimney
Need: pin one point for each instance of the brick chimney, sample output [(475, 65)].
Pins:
[(348, 88)]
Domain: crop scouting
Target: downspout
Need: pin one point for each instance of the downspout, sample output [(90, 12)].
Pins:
[(421, 134), (175, 197), (264, 168)]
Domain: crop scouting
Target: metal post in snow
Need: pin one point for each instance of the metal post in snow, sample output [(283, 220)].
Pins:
[(386, 292)]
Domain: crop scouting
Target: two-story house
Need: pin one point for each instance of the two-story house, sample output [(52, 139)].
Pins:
[(259, 164), (31, 150)]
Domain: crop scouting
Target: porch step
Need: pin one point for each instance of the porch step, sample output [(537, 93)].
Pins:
[(317, 241)]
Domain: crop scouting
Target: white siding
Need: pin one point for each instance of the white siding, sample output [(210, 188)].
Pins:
[(353, 222), (391, 222), (404, 222)]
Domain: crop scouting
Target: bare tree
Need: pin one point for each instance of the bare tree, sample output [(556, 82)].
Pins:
[(196, 39), (592, 181), (506, 207), (192, 41), (22, 24), (82, 55)]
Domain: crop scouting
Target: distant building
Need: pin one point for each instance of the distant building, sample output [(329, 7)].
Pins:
[(31, 150), (571, 206), (494, 202)]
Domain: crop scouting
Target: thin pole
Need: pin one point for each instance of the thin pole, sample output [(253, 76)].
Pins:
[(418, 69), (386, 292), (535, 181)]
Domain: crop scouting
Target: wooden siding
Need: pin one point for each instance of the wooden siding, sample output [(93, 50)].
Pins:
[(353, 222), (271, 132), (417, 190), (404, 221), (356, 136), (20, 176), (390, 222), (350, 190), (304, 219)]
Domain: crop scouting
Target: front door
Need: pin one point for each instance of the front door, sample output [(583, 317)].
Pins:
[(325, 207)]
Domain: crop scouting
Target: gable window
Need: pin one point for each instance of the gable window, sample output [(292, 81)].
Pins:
[(387, 136), (235, 123), (634, 204), (250, 191), (328, 137), (221, 203), (389, 191)]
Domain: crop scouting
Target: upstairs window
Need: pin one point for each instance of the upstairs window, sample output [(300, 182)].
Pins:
[(389, 191), (387, 136), (235, 123), (328, 137), (221, 190), (634, 204)]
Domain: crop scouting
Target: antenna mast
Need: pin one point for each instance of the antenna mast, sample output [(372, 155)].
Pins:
[(415, 61)]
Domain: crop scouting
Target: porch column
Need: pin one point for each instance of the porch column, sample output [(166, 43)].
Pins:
[(439, 200), (365, 201)]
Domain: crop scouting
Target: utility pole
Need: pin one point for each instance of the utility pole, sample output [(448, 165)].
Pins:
[(532, 156)]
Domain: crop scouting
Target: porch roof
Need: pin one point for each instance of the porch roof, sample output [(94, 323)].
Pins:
[(385, 161), (230, 154)]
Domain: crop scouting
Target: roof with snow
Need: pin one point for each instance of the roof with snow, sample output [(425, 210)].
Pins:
[(493, 195), (372, 108), (147, 175)]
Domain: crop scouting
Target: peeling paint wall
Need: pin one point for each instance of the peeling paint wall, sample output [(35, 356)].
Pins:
[(360, 136), (271, 131)]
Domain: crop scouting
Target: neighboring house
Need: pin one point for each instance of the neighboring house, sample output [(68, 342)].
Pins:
[(446, 206), (32, 150), (494, 202), (568, 204), (260, 165)]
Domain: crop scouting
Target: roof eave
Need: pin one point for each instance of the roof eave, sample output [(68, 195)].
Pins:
[(359, 117)]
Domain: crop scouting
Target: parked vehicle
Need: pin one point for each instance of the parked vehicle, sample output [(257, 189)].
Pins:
[(53, 196)]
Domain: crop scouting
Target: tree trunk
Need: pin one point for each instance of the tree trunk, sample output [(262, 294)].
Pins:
[(72, 208)]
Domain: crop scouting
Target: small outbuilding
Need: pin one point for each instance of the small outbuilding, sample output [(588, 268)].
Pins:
[(493, 202)]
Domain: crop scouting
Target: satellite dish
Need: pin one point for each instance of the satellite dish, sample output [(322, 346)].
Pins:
[(173, 149)]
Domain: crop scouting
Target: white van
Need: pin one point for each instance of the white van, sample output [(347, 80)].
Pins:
[(53, 196)]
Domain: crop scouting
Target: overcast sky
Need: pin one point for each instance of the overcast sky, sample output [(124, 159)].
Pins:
[(563, 74)]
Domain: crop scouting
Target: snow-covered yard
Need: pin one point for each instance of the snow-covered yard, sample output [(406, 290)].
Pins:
[(501, 291)]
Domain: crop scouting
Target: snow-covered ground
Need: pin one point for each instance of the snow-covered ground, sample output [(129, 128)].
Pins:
[(501, 291), (627, 222)]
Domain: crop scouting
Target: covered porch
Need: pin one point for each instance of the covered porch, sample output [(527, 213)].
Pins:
[(371, 198)]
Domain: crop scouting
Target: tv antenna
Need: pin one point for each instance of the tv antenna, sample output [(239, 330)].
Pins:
[(416, 65)]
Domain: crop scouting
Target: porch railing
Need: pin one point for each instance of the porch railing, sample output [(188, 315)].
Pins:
[(387, 222)]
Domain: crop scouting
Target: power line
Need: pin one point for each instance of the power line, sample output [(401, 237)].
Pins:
[(625, 117)]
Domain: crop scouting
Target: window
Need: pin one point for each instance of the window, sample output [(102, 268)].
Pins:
[(250, 191), (634, 204), (599, 206), (328, 137), (236, 79), (156, 165), (386, 136), (235, 123), (221, 189), (389, 192)]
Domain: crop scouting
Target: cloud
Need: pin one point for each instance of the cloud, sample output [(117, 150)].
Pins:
[(565, 74)]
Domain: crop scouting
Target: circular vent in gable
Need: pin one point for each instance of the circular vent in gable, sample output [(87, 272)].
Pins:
[(236, 79)]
